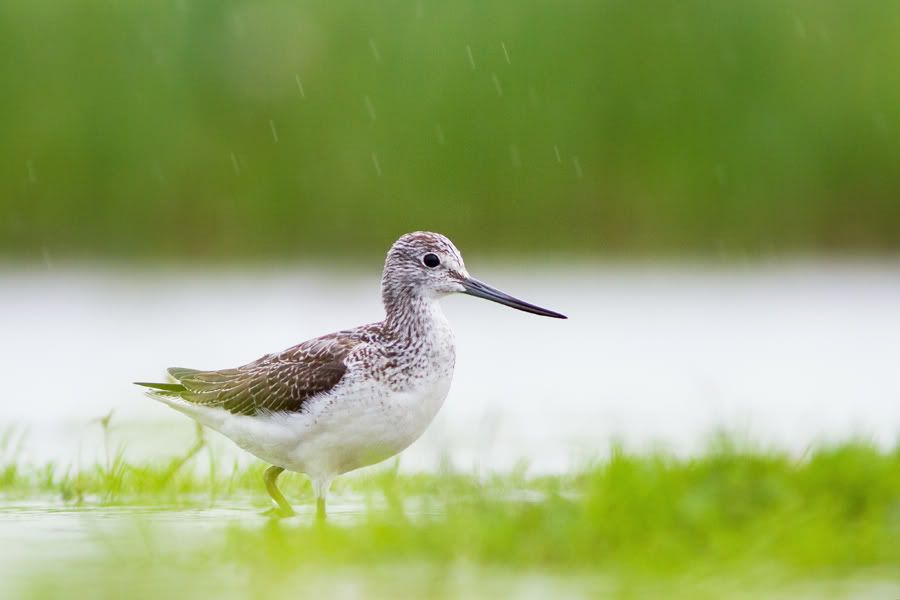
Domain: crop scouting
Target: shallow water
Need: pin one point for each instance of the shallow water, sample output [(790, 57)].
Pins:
[(165, 551), (788, 355), (153, 545)]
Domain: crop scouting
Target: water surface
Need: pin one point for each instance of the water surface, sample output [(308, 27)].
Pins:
[(788, 355)]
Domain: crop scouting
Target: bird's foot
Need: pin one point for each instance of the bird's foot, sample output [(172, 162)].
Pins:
[(279, 512)]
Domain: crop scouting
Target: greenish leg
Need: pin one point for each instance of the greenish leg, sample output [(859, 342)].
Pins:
[(320, 489), (284, 508)]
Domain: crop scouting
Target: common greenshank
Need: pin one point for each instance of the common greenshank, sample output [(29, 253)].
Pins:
[(352, 398)]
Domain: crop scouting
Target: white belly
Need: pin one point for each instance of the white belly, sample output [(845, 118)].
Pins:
[(359, 426), (366, 429)]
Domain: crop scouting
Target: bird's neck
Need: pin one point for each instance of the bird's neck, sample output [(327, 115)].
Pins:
[(411, 315)]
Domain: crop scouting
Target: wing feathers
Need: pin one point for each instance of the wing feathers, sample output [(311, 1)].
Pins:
[(281, 382), (179, 372)]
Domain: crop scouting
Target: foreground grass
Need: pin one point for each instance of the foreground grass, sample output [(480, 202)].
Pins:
[(834, 511), (837, 511)]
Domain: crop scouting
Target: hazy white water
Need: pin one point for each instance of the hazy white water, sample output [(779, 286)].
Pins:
[(788, 355)]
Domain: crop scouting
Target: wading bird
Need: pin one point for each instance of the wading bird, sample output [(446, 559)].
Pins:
[(352, 398)]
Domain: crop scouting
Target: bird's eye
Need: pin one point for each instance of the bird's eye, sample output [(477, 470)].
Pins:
[(431, 260)]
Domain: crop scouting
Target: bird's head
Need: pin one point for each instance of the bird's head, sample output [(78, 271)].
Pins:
[(428, 265)]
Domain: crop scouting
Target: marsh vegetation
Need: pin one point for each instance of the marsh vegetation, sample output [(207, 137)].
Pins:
[(731, 520)]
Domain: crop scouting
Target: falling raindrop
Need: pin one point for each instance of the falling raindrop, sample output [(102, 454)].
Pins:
[(420, 10), (505, 53), (375, 51), (439, 132), (235, 165), (274, 131), (514, 156), (238, 23), (497, 85), (471, 56), (370, 108), (556, 152), (48, 262), (32, 173), (158, 173), (533, 97), (376, 163), (721, 175), (880, 122), (299, 85), (577, 164)]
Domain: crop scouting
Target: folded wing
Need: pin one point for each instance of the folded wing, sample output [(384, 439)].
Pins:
[(282, 382)]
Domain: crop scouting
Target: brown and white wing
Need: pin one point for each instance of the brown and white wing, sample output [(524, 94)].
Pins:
[(282, 382)]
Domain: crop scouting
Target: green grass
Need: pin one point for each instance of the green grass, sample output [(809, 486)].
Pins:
[(834, 511), (733, 521), (144, 128)]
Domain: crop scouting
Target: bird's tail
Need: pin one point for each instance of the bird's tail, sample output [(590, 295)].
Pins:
[(163, 387)]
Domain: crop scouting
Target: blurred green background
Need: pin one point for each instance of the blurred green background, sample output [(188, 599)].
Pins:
[(238, 128)]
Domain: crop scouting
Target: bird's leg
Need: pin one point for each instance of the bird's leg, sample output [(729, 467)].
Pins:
[(320, 509), (320, 488), (284, 508)]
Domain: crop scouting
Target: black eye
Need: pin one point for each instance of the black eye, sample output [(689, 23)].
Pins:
[(431, 260)]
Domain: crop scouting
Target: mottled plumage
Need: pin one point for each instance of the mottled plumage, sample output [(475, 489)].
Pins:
[(281, 382), (351, 398)]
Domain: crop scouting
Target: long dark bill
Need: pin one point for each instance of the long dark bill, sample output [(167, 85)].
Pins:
[(473, 287)]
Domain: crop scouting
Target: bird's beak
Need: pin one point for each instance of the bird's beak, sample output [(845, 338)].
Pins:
[(473, 287)]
